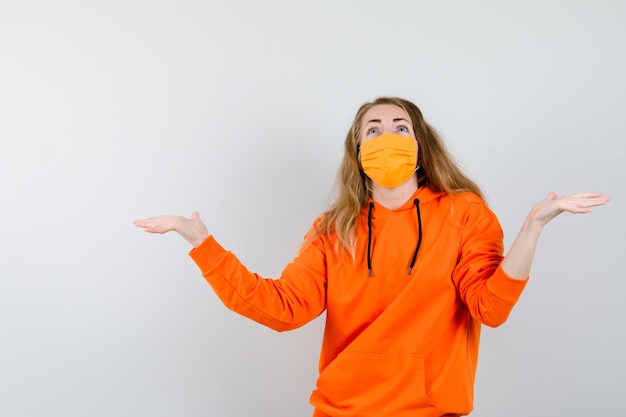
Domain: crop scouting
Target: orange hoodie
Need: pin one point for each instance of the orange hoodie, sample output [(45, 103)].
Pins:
[(396, 343)]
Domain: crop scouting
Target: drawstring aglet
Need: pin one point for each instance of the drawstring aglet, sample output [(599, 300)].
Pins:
[(371, 274)]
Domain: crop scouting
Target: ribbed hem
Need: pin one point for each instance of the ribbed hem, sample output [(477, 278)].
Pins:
[(505, 287), (208, 255)]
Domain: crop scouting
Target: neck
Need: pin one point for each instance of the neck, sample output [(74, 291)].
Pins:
[(392, 198)]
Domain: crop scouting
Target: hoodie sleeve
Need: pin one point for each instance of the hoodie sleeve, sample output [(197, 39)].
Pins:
[(487, 291), (289, 302)]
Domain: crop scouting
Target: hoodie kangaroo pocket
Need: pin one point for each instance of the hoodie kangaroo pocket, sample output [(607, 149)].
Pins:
[(361, 384)]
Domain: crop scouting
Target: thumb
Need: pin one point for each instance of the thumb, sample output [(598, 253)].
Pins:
[(551, 196), (195, 215)]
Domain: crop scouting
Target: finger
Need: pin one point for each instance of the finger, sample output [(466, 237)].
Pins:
[(596, 198), (581, 206), (590, 200), (158, 228), (599, 200), (141, 223), (159, 224), (593, 194)]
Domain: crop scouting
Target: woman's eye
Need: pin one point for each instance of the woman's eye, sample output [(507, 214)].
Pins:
[(372, 130), (403, 129)]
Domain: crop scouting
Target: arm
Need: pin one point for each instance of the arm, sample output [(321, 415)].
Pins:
[(490, 285), (281, 304), (484, 287), (287, 303), (518, 260)]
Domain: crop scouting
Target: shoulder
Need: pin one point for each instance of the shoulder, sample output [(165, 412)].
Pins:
[(316, 235), (467, 198), (468, 207)]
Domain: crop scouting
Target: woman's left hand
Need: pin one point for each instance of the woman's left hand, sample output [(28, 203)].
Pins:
[(552, 205), (518, 261)]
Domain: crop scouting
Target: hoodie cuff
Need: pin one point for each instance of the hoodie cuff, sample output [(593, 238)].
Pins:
[(505, 287), (208, 255)]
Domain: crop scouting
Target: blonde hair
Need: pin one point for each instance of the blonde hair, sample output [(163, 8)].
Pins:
[(438, 170)]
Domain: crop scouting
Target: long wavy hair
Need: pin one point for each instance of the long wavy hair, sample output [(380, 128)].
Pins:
[(438, 169)]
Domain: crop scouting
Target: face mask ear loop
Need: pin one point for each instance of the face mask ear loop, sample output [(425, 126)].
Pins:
[(364, 176), (417, 176)]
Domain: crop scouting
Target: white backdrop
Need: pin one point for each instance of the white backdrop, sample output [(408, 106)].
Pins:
[(117, 110)]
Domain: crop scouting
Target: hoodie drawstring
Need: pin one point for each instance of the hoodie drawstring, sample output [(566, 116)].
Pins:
[(419, 234), (369, 237)]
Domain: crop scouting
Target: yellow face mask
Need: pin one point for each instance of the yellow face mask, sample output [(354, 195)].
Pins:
[(389, 159)]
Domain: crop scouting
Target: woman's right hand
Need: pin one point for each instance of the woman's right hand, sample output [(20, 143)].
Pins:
[(191, 229)]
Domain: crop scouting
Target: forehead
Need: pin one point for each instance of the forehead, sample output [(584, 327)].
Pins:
[(384, 113)]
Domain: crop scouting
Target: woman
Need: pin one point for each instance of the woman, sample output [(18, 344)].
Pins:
[(407, 264)]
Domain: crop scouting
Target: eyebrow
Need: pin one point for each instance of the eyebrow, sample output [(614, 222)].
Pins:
[(394, 120)]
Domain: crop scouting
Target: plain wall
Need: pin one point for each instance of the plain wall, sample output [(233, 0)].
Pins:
[(116, 110)]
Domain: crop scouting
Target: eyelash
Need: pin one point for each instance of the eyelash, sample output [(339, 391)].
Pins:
[(373, 130)]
